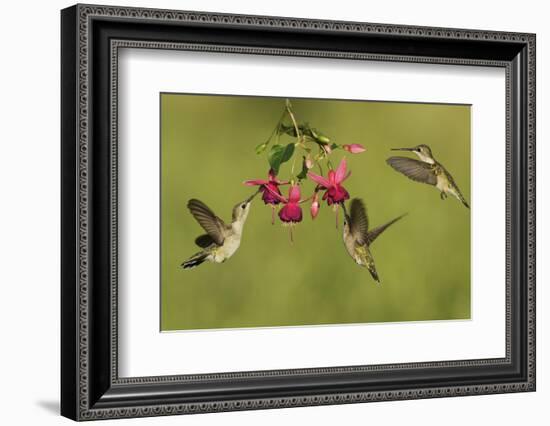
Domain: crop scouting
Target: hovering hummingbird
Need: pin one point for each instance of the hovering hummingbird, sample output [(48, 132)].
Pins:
[(358, 237), (221, 240), (427, 170)]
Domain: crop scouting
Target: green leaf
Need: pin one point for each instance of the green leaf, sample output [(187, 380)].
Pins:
[(278, 155), (287, 153), (274, 157), (261, 148), (303, 173), (334, 146)]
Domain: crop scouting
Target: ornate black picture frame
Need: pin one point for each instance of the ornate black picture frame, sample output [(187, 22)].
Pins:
[(91, 37)]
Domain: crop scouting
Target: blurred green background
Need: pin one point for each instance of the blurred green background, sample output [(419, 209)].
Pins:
[(207, 151)]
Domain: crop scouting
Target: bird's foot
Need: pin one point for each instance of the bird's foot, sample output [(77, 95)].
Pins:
[(443, 195)]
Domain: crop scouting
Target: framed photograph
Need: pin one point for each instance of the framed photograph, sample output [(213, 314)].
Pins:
[(263, 212)]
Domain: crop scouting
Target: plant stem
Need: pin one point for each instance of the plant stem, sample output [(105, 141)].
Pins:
[(305, 199), (291, 115), (277, 129), (298, 134)]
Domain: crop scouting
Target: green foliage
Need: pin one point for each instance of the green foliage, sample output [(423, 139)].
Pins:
[(278, 155), (289, 130), (306, 137), (303, 172)]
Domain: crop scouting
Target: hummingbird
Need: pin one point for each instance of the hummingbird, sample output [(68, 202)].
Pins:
[(221, 240), (357, 236), (427, 170)]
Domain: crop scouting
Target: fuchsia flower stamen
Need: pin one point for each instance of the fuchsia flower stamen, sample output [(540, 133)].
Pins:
[(335, 193)]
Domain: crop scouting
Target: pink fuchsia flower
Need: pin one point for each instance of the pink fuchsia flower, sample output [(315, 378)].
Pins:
[(335, 192), (291, 212), (270, 190), (272, 183), (354, 148)]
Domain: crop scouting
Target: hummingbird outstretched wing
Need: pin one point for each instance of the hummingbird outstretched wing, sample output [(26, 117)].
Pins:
[(212, 224), (416, 170), (374, 233), (359, 221)]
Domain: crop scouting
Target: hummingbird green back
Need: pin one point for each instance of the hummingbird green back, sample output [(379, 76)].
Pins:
[(358, 238)]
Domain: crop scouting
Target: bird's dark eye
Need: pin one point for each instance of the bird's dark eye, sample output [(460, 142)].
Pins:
[(243, 206)]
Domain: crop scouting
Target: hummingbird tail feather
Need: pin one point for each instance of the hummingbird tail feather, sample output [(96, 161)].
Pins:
[(195, 260), (375, 233), (460, 197), (374, 274)]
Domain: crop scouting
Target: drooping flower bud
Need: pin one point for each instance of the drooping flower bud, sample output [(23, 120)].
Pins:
[(314, 209), (354, 148)]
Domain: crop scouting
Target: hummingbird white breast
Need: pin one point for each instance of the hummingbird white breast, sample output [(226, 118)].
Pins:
[(230, 246), (442, 183)]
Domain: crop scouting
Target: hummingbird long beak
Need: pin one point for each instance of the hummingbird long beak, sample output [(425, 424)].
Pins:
[(249, 199), (402, 149), (344, 208)]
